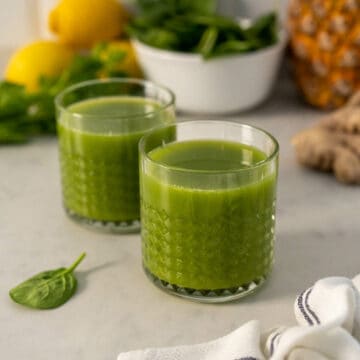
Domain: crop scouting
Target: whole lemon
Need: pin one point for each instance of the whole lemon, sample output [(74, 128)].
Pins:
[(40, 58), (82, 23)]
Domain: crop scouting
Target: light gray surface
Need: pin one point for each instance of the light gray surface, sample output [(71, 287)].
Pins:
[(116, 307)]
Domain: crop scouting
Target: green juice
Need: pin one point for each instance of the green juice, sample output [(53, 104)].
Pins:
[(208, 235), (99, 155)]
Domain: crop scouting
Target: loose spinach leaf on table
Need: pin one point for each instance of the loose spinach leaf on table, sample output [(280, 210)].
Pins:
[(48, 289)]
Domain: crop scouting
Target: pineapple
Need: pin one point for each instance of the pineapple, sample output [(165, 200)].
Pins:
[(325, 44)]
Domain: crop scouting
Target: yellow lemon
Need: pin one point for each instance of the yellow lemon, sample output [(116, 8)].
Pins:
[(82, 23), (128, 63), (40, 58)]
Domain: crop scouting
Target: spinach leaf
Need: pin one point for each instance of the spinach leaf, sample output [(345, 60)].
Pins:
[(208, 41), (198, 7), (155, 8), (221, 22), (193, 27), (160, 38), (264, 30), (48, 289)]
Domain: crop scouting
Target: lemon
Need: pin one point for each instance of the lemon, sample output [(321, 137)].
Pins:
[(82, 23), (40, 58), (127, 64)]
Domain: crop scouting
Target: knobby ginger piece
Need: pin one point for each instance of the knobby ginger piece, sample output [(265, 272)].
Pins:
[(347, 166), (344, 120), (334, 143), (315, 148)]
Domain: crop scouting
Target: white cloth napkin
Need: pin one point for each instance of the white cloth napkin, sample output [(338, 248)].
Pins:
[(328, 316)]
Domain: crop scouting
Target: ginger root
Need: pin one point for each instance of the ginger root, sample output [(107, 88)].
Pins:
[(333, 144)]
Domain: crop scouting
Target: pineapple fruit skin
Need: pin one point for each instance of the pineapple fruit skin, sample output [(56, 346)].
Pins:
[(325, 49)]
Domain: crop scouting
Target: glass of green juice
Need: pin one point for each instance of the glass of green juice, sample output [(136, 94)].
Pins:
[(99, 125), (208, 194)]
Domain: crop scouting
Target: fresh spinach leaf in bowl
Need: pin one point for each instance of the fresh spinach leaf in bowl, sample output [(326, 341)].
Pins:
[(194, 27)]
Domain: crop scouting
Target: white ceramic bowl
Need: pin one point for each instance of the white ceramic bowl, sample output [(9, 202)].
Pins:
[(221, 85)]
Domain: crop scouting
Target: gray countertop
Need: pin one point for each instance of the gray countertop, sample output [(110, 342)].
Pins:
[(116, 308)]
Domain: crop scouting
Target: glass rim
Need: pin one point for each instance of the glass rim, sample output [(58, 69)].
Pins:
[(60, 97), (163, 166)]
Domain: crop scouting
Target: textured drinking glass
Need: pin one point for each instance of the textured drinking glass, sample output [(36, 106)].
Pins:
[(208, 191), (99, 125)]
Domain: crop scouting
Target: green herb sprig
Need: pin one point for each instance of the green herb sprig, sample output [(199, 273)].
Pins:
[(48, 289), (24, 115), (193, 26)]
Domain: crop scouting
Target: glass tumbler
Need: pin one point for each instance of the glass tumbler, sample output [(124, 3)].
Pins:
[(99, 125), (208, 192)]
